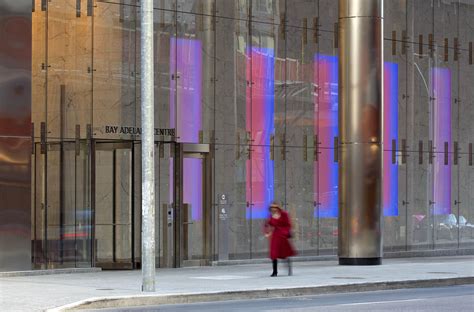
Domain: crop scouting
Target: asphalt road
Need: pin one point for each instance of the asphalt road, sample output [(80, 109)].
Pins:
[(446, 299)]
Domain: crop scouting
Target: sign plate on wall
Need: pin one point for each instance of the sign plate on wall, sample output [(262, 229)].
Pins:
[(137, 130)]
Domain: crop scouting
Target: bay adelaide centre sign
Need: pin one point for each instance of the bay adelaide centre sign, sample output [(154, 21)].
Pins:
[(137, 131)]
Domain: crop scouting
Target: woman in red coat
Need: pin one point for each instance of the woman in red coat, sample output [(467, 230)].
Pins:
[(278, 229)]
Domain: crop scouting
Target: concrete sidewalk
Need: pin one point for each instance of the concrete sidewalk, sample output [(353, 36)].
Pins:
[(109, 288)]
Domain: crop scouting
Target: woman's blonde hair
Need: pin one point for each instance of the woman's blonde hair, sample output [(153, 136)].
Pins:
[(274, 205)]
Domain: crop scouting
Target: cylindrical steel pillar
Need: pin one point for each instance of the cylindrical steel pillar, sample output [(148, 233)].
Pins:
[(360, 130), (148, 147)]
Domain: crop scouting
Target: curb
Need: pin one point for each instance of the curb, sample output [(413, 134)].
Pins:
[(265, 293), (49, 272)]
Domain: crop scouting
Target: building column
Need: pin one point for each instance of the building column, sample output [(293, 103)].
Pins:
[(360, 128)]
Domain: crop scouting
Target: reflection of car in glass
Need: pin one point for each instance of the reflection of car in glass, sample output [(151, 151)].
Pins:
[(76, 237), (446, 227), (81, 228), (67, 241), (450, 224)]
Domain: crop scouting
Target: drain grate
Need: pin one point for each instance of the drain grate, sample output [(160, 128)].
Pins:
[(104, 289), (348, 277)]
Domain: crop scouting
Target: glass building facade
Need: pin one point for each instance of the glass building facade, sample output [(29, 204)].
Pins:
[(246, 113)]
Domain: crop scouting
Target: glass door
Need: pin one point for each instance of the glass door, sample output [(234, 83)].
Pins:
[(195, 217), (164, 208), (114, 205), (185, 204), (61, 206)]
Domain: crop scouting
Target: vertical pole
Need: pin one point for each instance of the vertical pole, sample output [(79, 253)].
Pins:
[(360, 127), (148, 157)]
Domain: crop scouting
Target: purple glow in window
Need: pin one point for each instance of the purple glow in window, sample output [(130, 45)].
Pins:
[(259, 122), (185, 113), (326, 125), (390, 132), (441, 84)]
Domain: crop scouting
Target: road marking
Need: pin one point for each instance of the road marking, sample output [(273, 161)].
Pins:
[(379, 302), (221, 277)]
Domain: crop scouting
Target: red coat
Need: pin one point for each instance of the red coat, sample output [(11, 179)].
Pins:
[(280, 229)]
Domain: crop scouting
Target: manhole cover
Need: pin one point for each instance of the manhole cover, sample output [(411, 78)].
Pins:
[(220, 277), (441, 273), (347, 277), (104, 289)]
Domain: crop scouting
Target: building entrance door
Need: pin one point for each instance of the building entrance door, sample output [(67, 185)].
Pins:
[(183, 203), (186, 199), (113, 204)]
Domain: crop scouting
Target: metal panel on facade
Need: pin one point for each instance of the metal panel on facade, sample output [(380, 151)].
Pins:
[(15, 134)]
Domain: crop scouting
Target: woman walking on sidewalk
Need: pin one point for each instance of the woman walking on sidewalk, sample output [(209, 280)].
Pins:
[(278, 230)]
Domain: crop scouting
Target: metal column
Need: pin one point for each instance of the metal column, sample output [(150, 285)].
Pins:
[(148, 147), (360, 129), (178, 204)]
